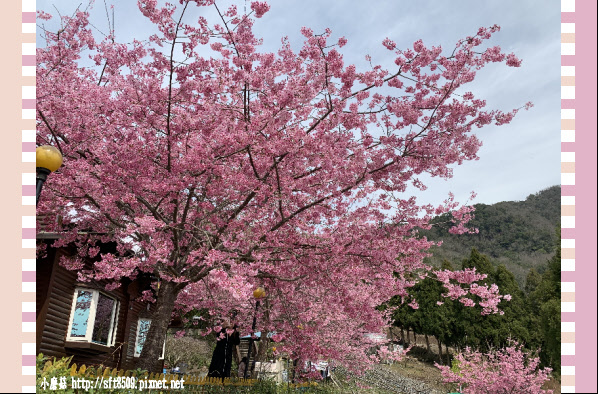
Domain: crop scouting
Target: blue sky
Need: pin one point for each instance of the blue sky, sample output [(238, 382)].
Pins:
[(515, 160)]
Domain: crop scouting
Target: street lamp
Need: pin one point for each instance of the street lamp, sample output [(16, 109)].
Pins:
[(258, 294), (47, 160)]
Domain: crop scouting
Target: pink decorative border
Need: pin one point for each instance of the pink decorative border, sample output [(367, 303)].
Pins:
[(28, 319), (578, 191), (578, 147), (567, 196)]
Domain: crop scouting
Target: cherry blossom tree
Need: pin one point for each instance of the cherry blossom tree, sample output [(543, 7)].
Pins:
[(218, 168), (508, 370)]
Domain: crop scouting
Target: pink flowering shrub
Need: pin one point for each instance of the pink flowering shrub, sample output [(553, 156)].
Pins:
[(508, 370)]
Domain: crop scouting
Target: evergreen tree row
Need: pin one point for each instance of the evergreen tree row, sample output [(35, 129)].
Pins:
[(531, 317)]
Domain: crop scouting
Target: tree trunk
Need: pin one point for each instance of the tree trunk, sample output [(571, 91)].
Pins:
[(154, 341), (402, 335), (236, 355), (440, 350), (252, 358), (448, 356), (294, 369), (262, 350), (264, 343), (393, 334), (427, 342)]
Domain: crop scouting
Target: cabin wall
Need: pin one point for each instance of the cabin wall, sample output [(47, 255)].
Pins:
[(55, 290), (137, 310)]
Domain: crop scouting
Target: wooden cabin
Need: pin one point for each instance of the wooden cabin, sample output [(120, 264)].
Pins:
[(83, 319)]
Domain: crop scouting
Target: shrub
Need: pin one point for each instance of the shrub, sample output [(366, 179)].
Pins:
[(508, 370)]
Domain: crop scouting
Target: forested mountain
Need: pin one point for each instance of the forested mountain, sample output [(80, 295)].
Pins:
[(518, 234)]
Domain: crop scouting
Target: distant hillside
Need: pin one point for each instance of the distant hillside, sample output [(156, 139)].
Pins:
[(518, 234)]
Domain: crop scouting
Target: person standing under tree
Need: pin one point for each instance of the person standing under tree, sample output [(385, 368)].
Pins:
[(223, 353)]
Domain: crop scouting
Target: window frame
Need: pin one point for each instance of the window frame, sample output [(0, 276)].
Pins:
[(92, 316)]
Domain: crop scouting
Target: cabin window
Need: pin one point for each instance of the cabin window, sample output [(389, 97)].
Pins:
[(143, 326), (94, 317)]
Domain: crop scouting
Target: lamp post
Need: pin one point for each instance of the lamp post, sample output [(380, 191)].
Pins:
[(47, 160), (258, 294)]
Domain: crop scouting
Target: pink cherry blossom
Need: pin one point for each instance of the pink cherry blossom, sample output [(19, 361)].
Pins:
[(260, 8), (232, 168), (508, 370)]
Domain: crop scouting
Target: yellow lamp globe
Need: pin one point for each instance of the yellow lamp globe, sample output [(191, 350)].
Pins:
[(260, 292), (48, 157)]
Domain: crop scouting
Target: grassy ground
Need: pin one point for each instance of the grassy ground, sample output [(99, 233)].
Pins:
[(429, 374), (411, 368), (424, 372), (553, 385)]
